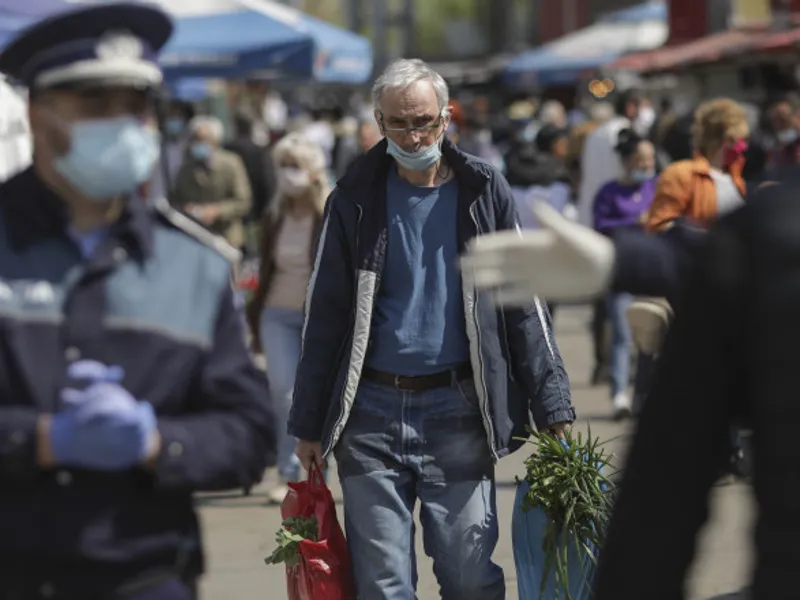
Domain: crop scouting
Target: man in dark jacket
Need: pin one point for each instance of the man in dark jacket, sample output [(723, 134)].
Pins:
[(125, 383), (414, 381)]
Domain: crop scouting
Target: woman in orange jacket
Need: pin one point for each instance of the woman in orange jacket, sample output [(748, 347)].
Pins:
[(709, 185)]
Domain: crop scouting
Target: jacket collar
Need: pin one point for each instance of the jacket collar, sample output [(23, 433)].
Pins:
[(33, 213), (375, 164)]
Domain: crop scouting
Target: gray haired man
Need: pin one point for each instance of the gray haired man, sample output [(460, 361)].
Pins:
[(414, 381)]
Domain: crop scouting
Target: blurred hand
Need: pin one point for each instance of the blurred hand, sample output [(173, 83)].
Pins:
[(209, 215), (564, 261), (310, 453), (102, 427), (558, 430)]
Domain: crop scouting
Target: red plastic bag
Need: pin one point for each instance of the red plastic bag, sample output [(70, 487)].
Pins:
[(323, 571)]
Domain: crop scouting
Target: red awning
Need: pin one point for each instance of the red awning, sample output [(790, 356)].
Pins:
[(706, 49), (782, 40)]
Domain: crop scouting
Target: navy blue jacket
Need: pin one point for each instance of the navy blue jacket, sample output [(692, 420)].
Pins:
[(515, 360), (159, 303)]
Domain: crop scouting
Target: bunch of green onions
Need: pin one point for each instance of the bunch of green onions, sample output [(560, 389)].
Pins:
[(570, 480)]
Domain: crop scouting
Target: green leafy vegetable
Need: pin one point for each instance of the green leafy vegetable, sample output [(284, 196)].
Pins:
[(288, 537), (571, 481)]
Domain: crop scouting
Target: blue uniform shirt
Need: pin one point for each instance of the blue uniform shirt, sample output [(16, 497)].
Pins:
[(419, 325), (147, 296)]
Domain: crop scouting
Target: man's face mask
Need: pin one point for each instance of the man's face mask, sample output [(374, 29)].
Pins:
[(107, 157)]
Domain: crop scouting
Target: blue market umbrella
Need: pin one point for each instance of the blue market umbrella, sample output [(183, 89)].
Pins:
[(270, 41)]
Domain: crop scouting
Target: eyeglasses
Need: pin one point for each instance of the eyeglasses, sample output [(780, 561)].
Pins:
[(421, 129)]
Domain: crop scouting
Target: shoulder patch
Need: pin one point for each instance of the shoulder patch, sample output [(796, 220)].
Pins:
[(197, 231)]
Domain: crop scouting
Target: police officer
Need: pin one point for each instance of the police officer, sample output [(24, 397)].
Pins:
[(125, 384)]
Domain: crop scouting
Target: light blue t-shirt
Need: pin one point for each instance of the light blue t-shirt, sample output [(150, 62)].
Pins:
[(418, 327)]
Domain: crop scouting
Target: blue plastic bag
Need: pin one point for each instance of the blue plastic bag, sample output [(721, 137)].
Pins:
[(527, 533)]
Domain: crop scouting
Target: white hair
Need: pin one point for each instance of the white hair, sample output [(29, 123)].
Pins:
[(208, 123), (407, 71), (600, 112), (552, 112), (311, 159)]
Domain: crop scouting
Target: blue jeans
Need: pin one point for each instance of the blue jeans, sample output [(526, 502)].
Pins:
[(281, 335), (621, 341), (398, 447)]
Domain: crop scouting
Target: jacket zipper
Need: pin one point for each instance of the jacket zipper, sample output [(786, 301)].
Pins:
[(334, 436), (484, 401)]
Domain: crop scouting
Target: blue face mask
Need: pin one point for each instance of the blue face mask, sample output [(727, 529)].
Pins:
[(200, 151), (109, 157), (174, 126), (422, 159), (640, 176)]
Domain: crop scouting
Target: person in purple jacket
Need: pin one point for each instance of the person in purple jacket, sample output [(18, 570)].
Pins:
[(622, 204)]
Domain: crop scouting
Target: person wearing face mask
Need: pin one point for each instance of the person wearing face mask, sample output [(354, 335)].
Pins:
[(126, 384), (404, 372), (620, 205), (710, 185), (289, 232), (212, 185)]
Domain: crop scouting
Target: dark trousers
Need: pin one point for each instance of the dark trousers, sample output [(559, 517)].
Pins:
[(174, 589), (599, 318)]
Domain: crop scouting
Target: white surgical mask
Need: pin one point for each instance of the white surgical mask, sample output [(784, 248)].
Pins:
[(293, 181), (421, 160), (109, 157)]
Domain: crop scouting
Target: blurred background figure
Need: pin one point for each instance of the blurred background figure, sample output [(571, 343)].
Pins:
[(784, 118), (709, 185), (475, 137), (622, 204), (599, 163), (212, 184), (598, 113), (257, 163), (538, 171), (367, 135), (346, 148), (289, 232)]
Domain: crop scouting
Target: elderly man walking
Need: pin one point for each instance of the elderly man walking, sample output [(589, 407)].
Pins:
[(212, 185), (416, 383)]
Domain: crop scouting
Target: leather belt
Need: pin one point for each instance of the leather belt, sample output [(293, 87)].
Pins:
[(418, 383)]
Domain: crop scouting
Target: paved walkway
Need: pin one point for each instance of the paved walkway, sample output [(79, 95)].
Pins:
[(239, 531)]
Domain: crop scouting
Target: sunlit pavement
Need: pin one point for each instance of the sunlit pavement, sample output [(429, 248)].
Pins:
[(239, 530)]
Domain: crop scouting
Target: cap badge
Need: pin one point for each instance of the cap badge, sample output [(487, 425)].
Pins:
[(119, 44)]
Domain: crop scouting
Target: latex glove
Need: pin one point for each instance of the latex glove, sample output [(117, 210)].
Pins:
[(103, 428), (563, 261), (93, 371)]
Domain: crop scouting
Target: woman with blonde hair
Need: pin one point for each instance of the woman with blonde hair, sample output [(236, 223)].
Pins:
[(709, 185), (289, 233)]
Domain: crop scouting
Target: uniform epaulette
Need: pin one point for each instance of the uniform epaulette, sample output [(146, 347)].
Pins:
[(197, 231)]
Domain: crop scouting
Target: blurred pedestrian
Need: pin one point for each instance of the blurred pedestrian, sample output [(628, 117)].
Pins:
[(709, 185), (784, 117), (126, 384), (256, 161), (621, 205), (289, 233), (599, 163), (212, 185)]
